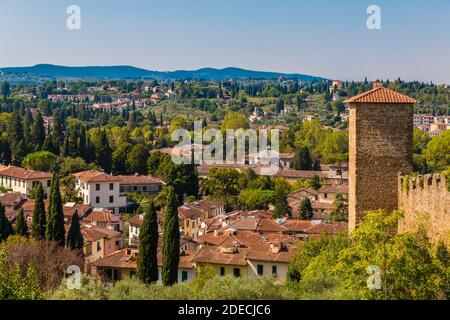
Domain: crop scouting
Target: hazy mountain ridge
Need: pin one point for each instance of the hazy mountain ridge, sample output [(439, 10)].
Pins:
[(133, 73)]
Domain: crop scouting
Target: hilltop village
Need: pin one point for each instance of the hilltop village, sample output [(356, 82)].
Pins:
[(83, 164)]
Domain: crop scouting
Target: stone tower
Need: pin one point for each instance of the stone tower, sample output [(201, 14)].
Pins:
[(381, 146)]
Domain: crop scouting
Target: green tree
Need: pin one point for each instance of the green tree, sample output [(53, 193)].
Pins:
[(235, 121), (316, 184), (256, 199), (18, 284), (171, 249), (147, 264), (103, 152), (404, 262), (40, 161), (223, 184), (5, 89), (282, 190), (6, 228), (55, 221), (74, 237), (306, 210), (21, 224), (303, 160), (38, 131), (39, 216), (137, 159), (421, 140), (437, 152)]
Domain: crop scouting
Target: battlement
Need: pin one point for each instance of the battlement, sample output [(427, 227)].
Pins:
[(425, 200)]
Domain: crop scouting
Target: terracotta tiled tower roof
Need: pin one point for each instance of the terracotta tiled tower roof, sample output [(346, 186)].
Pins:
[(379, 94)]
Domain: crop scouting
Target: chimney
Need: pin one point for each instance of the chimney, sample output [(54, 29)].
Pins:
[(377, 85)]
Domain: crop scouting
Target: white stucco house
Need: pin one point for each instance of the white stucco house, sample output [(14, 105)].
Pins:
[(100, 190)]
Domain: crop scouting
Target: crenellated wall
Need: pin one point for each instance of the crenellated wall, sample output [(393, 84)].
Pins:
[(425, 200)]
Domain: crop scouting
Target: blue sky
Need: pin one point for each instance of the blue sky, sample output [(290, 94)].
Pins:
[(321, 37)]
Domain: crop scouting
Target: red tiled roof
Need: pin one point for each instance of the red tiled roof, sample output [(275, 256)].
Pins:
[(215, 256), (11, 199), (136, 220), (82, 210), (141, 180), (381, 95), (124, 260), (328, 228), (95, 176), (25, 174), (335, 188), (92, 233), (29, 205), (102, 216)]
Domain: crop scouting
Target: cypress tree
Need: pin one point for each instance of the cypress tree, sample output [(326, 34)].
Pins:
[(104, 153), (6, 228), (147, 263), (38, 131), (306, 210), (82, 144), (21, 225), (74, 237), (281, 206), (55, 220), (303, 160), (39, 218), (171, 249)]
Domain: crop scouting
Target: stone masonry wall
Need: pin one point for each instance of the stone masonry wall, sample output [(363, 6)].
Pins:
[(425, 200), (381, 140)]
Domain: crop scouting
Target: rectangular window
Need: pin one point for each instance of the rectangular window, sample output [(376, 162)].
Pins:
[(222, 271), (132, 274), (97, 187), (97, 199), (99, 247), (274, 271), (237, 272), (260, 268), (49, 183), (111, 199), (111, 186), (184, 276)]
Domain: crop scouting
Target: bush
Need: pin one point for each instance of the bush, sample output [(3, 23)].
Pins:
[(90, 290), (16, 284), (49, 261)]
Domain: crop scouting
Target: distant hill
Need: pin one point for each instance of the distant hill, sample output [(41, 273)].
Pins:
[(133, 73)]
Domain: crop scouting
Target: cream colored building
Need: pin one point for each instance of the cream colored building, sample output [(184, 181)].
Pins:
[(23, 180)]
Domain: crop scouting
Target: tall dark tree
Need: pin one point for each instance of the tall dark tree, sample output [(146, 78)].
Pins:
[(171, 249), (74, 237), (39, 216), (303, 160), (306, 210), (55, 219), (5, 89), (82, 144), (38, 131), (6, 228), (17, 127), (103, 152), (21, 224), (147, 264), (282, 208)]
